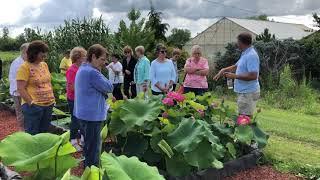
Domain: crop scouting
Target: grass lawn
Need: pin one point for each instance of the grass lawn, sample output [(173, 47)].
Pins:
[(294, 144), (9, 55)]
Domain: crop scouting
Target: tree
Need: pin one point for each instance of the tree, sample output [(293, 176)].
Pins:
[(179, 37), (316, 19), (262, 17), (32, 34), (266, 36), (5, 33), (136, 33), (311, 58), (274, 56), (155, 24)]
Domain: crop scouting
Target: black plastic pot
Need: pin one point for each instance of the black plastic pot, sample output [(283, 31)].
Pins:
[(7, 174), (230, 168)]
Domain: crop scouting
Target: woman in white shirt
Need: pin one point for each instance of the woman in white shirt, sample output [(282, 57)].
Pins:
[(162, 72), (116, 76)]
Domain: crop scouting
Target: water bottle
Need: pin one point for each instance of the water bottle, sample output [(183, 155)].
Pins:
[(230, 83)]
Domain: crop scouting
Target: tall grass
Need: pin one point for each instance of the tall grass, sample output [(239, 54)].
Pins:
[(293, 96)]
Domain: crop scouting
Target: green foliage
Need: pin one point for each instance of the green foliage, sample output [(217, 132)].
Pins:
[(316, 19), (265, 36), (5, 97), (155, 24), (310, 62), (274, 56), (124, 168), (136, 33), (46, 155), (58, 82), (193, 135), (291, 96), (179, 37), (133, 114)]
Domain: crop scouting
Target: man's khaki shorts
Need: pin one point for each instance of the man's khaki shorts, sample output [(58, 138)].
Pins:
[(247, 103)]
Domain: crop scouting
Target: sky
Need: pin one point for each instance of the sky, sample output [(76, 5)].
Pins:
[(195, 15)]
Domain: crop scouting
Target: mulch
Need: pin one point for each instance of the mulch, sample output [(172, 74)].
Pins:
[(9, 125)]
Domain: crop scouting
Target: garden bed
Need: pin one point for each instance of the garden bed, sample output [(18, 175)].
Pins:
[(8, 125)]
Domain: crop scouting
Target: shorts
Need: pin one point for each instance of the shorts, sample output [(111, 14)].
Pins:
[(247, 103)]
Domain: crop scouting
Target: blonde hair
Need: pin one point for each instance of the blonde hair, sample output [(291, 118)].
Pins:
[(76, 53), (140, 49), (196, 48), (24, 47), (127, 49)]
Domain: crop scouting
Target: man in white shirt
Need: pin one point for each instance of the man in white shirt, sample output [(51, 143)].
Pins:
[(116, 76), (15, 65)]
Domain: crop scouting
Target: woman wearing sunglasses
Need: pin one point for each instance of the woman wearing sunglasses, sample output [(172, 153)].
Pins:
[(196, 69), (162, 72)]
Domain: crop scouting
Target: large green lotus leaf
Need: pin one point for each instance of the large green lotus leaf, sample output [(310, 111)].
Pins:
[(154, 140), (136, 112), (68, 176), (22, 149), (187, 136), (124, 168), (92, 173), (244, 134), (117, 126), (47, 167), (222, 129), (136, 145), (133, 113), (177, 166), (201, 157), (260, 137)]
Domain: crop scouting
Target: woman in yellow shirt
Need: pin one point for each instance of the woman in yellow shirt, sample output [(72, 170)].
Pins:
[(65, 63), (34, 86)]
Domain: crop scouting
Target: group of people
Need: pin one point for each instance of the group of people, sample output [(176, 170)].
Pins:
[(88, 88)]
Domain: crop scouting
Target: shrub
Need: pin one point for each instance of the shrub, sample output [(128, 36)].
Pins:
[(292, 96)]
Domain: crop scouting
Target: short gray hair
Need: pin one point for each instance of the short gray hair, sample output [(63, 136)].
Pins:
[(140, 49), (24, 47), (196, 48)]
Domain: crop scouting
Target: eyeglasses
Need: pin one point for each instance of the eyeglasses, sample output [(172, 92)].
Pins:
[(163, 52)]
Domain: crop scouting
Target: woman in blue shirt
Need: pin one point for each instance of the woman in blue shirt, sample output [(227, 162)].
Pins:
[(141, 71), (162, 72), (90, 107)]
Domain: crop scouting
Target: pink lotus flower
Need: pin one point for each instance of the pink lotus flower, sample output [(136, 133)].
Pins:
[(168, 101), (165, 115), (243, 120), (201, 112), (176, 96)]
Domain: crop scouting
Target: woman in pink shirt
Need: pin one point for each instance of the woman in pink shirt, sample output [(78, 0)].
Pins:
[(78, 56), (196, 69)]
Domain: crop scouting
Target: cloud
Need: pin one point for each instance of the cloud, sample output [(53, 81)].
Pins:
[(197, 9), (54, 12)]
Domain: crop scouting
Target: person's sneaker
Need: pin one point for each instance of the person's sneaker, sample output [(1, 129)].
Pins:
[(75, 144)]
